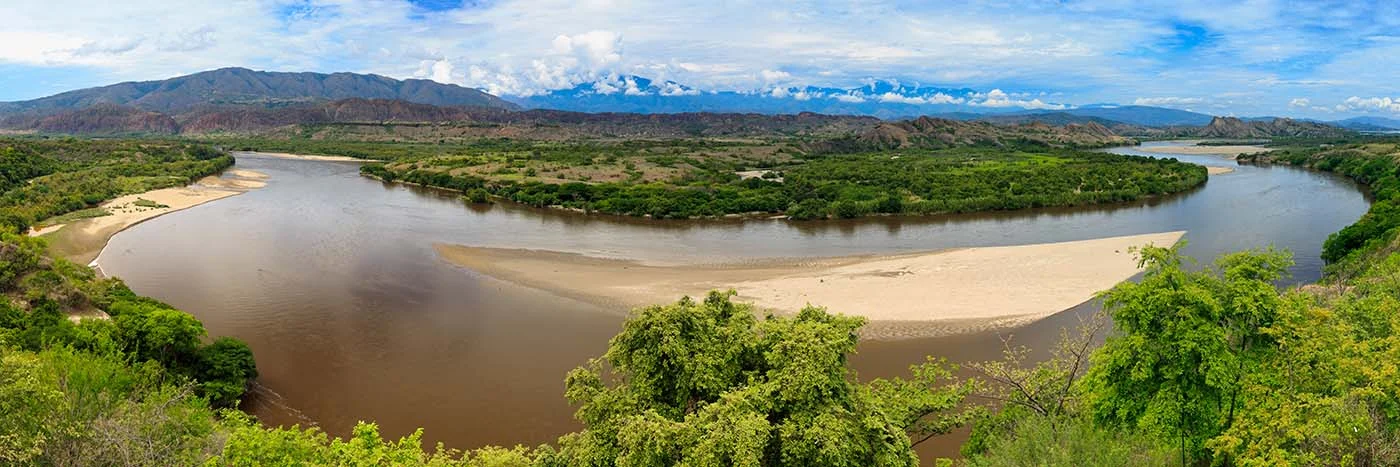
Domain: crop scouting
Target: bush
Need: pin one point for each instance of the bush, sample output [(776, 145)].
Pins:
[(478, 196), (808, 209)]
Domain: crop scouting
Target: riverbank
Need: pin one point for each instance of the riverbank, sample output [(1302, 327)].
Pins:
[(910, 295), (82, 240)]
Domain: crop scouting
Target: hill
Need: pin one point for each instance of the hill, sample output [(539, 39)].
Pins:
[(1234, 128), (937, 133), (1369, 123), (242, 87)]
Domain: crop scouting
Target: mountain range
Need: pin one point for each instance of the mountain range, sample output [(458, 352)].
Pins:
[(241, 86), (242, 100), (885, 99)]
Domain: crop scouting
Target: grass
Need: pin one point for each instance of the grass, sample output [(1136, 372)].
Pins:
[(146, 203), (77, 215)]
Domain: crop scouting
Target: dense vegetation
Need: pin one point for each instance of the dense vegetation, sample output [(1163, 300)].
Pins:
[(43, 178), (845, 186), (1373, 163), (136, 388)]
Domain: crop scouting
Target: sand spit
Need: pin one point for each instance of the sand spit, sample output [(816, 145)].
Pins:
[(909, 295), (303, 157), (82, 240), (1215, 170)]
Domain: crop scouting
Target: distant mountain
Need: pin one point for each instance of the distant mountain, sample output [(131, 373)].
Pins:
[(244, 87), (241, 100), (105, 118), (1369, 124), (1235, 128), (635, 94), (378, 118), (1142, 115), (886, 99)]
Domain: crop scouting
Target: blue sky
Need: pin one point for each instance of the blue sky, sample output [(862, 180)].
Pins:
[(1324, 59)]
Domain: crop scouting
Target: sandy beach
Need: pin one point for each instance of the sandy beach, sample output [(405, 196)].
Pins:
[(82, 240), (303, 157), (909, 295), (1217, 170), (1226, 151)]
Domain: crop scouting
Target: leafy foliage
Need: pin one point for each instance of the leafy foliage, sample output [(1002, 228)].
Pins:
[(845, 186), (1187, 340), (707, 384)]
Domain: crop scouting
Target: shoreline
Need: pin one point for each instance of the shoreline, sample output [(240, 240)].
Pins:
[(83, 241), (923, 294)]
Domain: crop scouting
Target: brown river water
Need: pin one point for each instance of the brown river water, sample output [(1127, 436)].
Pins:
[(333, 281)]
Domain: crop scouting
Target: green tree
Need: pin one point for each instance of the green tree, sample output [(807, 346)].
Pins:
[(152, 332), (706, 383), (1186, 340), (29, 409), (225, 368)]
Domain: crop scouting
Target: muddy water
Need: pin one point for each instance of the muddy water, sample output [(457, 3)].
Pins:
[(332, 279)]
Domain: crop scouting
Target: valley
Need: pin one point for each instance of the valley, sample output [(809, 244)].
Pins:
[(240, 267)]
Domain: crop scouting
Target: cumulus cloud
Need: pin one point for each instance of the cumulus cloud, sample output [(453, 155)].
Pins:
[(997, 98), (1096, 50), (1370, 104), (1168, 101), (937, 98), (436, 70), (670, 88), (774, 76), (1300, 102), (595, 48)]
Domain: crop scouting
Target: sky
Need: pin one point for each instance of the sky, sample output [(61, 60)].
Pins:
[(1317, 59)]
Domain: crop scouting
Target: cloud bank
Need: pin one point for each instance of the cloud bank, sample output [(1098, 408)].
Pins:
[(1250, 57)]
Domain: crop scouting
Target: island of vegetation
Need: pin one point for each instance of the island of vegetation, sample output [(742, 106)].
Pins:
[(673, 180), (1203, 366)]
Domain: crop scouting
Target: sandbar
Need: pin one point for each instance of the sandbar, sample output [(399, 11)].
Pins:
[(1217, 170), (82, 240), (913, 295), (303, 157), (1229, 151)]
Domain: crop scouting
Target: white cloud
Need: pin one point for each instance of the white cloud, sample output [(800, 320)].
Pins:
[(774, 76), (596, 48), (937, 98), (436, 70), (1300, 102), (1168, 101), (673, 89), (1370, 104), (1095, 50), (850, 99), (999, 99), (901, 99)]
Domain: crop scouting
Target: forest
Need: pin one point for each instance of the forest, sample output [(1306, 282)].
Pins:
[(1202, 365), (43, 178), (803, 188)]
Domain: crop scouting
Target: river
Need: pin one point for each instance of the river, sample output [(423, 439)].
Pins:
[(332, 279)]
